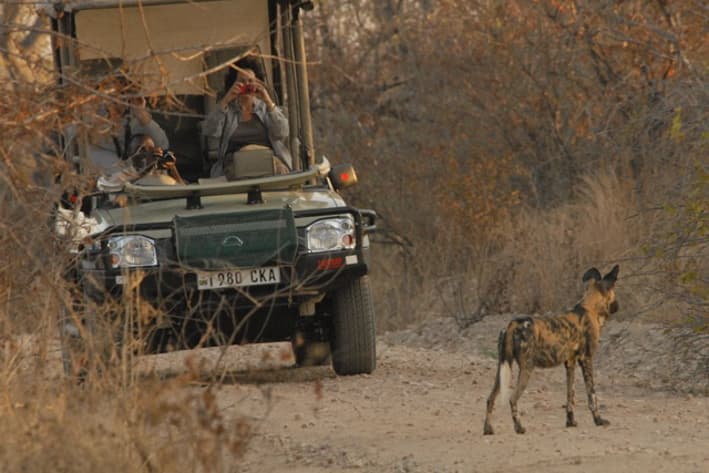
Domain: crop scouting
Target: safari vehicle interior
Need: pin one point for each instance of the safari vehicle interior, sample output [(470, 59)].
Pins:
[(179, 52)]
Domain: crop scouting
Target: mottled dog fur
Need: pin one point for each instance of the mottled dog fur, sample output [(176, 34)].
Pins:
[(545, 342)]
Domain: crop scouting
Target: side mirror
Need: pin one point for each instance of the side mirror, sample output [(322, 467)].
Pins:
[(342, 176)]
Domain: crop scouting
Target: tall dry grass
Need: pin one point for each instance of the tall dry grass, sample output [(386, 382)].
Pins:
[(549, 250), (112, 421), (533, 262)]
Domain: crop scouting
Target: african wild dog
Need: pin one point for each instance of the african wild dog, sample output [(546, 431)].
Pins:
[(550, 341)]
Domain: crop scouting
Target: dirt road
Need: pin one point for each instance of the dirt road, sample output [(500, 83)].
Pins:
[(422, 411)]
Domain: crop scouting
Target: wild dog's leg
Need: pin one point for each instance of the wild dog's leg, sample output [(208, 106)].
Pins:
[(570, 368), (502, 369), (587, 370), (487, 430), (525, 371)]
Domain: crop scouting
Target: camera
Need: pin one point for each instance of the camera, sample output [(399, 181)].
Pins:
[(247, 89), (163, 159)]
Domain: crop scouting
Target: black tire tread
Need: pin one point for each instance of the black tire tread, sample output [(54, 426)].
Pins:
[(354, 341)]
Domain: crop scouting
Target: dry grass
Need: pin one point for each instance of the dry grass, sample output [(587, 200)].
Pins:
[(110, 422), (551, 249), (52, 425), (534, 262)]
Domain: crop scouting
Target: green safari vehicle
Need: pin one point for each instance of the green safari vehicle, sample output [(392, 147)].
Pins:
[(261, 256)]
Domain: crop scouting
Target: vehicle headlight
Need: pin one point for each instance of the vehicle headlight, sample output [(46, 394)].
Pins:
[(132, 251), (331, 234)]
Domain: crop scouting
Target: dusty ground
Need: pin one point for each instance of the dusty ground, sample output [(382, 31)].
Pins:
[(422, 411)]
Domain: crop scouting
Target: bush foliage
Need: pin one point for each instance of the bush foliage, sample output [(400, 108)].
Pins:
[(516, 144)]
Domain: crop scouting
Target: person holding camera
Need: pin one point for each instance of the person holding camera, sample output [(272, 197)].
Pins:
[(246, 115), (147, 165), (123, 115), (109, 136), (153, 165)]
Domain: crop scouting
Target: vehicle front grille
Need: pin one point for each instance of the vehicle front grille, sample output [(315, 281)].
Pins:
[(236, 240)]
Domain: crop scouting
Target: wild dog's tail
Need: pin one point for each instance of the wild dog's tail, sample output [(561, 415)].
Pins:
[(505, 355)]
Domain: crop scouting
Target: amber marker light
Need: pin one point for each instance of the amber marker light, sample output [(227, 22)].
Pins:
[(343, 176)]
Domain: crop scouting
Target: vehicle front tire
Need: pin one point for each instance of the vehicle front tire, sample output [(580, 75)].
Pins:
[(353, 343)]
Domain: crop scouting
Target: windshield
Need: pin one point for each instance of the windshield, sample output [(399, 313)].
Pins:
[(168, 73)]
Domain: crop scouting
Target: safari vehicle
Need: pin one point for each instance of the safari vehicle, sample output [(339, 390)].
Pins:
[(260, 257)]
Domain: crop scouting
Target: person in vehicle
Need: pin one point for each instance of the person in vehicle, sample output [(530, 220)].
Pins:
[(246, 115), (147, 165), (154, 165), (108, 144)]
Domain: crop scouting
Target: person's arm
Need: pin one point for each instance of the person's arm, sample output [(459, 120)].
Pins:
[(277, 122), (173, 172), (214, 123), (156, 132), (278, 129), (144, 124)]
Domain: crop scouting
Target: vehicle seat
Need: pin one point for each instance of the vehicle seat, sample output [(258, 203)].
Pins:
[(249, 162)]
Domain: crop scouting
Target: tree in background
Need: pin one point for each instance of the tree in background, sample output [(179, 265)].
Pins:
[(467, 114)]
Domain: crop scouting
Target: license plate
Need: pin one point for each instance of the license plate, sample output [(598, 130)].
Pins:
[(238, 278)]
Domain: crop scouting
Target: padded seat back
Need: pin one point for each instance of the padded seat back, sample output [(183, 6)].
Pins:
[(249, 162)]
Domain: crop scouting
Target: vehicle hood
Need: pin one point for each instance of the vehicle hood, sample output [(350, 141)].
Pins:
[(162, 212)]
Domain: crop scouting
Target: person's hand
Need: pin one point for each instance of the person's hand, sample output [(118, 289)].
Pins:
[(167, 160), (230, 95), (171, 168), (262, 93)]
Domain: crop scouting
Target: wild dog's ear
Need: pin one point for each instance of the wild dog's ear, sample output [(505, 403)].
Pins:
[(612, 276), (592, 273)]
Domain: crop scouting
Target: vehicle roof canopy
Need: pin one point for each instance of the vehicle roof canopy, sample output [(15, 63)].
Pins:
[(76, 5), (169, 44)]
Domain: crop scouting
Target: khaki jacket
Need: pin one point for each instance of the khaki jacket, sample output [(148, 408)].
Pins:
[(222, 124)]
